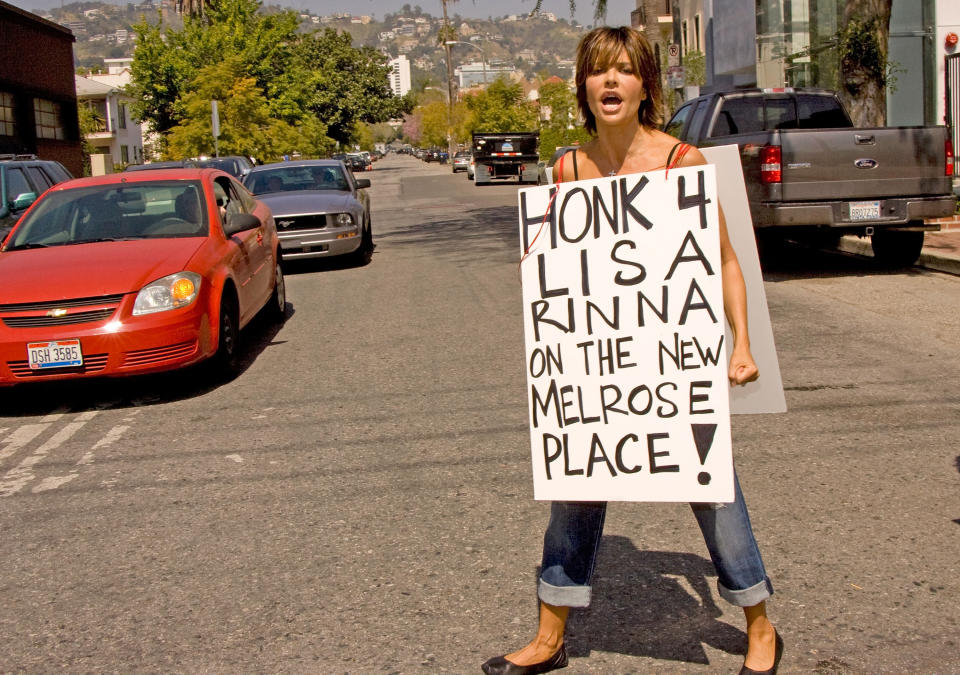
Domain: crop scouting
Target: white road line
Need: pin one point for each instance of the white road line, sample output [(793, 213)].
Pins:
[(19, 476), (20, 437), (112, 436)]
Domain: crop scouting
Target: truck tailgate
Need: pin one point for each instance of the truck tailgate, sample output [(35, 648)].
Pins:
[(829, 164)]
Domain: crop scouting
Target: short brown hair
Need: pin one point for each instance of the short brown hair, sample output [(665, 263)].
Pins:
[(600, 48)]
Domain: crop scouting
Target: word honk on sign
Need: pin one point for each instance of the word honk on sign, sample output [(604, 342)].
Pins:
[(624, 339)]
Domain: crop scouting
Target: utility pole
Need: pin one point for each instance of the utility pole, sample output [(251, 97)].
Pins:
[(447, 37)]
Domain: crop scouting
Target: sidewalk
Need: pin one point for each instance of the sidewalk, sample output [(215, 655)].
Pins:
[(941, 250)]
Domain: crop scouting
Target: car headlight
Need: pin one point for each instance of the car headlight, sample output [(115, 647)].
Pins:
[(170, 292), (344, 219)]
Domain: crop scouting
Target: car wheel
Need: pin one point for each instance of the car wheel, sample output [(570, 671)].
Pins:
[(226, 360), (364, 253), (896, 249), (277, 305)]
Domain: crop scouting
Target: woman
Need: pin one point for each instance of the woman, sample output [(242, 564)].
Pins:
[(619, 96)]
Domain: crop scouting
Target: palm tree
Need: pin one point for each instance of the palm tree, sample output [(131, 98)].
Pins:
[(194, 8)]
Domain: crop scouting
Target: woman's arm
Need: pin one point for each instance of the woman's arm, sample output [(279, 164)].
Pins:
[(743, 368)]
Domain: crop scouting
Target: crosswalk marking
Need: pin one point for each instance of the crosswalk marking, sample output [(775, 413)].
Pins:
[(19, 476)]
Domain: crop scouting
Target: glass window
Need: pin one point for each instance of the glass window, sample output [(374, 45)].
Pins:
[(699, 119), (17, 183), (780, 113), (141, 210), (122, 116), (48, 119), (39, 178), (125, 154), (7, 126), (675, 126), (821, 112), (739, 116)]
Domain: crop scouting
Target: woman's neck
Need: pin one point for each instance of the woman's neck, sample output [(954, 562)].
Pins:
[(617, 144)]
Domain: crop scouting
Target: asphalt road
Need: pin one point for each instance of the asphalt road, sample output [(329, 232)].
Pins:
[(359, 499)]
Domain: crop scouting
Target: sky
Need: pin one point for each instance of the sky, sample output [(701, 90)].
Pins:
[(618, 11)]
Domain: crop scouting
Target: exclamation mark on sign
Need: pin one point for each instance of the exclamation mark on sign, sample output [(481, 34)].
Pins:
[(703, 438)]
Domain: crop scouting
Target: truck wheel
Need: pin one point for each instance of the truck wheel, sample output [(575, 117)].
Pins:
[(897, 249)]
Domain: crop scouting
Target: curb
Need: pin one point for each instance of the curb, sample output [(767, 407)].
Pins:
[(929, 259)]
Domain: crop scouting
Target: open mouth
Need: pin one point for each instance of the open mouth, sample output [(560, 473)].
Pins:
[(611, 101)]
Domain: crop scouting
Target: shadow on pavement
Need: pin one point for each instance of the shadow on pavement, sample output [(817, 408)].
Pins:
[(489, 231), (643, 605), (107, 393)]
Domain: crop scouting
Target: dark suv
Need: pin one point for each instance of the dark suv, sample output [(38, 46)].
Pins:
[(23, 178)]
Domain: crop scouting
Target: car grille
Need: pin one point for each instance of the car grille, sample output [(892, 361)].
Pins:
[(57, 304), (311, 222), (148, 357), (92, 363), (65, 320), (58, 312)]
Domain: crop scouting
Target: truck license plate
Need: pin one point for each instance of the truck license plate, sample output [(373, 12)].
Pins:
[(864, 210), (54, 354)]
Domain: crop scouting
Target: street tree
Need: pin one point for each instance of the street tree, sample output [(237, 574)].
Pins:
[(559, 124), (338, 83), (501, 107), (864, 69), (247, 125), (317, 75)]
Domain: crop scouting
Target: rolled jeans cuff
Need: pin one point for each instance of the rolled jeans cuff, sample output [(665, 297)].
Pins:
[(747, 597), (564, 596)]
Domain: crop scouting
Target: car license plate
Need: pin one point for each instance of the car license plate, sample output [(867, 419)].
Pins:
[(864, 210), (54, 354)]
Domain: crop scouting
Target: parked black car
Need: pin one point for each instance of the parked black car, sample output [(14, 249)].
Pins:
[(172, 164), (236, 165), (23, 178)]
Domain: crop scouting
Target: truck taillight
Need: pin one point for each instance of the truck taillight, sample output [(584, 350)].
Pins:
[(948, 169), (770, 164)]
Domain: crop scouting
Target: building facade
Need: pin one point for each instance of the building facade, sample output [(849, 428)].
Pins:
[(793, 43), (399, 75), (38, 100), (118, 134)]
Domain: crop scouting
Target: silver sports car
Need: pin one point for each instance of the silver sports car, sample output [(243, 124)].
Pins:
[(320, 209)]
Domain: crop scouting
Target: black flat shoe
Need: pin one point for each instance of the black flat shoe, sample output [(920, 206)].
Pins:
[(499, 665), (776, 662)]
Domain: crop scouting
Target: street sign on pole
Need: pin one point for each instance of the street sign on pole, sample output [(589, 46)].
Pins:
[(215, 125), (676, 77), (673, 55)]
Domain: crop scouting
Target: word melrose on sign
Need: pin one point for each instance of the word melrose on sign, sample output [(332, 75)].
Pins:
[(624, 338)]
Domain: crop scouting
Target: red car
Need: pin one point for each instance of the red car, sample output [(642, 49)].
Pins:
[(133, 273)]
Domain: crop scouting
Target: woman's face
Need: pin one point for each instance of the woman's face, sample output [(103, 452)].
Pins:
[(615, 94)]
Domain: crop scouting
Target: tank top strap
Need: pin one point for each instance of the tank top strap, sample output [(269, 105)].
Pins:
[(677, 153), (558, 178)]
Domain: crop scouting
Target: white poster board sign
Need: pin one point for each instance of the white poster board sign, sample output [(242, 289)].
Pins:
[(764, 395), (624, 339)]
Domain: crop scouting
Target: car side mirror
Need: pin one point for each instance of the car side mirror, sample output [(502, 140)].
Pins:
[(363, 183), (240, 222), (24, 200)]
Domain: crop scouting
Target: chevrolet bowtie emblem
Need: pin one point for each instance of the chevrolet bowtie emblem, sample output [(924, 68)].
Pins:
[(57, 312)]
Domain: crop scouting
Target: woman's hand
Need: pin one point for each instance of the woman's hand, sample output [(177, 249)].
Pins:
[(743, 368)]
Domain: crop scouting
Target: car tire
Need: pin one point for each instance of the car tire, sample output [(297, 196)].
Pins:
[(896, 249), (364, 253), (226, 360), (277, 304)]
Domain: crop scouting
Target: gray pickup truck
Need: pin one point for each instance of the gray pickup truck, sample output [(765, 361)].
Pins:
[(809, 171)]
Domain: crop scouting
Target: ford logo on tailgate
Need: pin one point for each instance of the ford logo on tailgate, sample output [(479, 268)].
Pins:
[(866, 163)]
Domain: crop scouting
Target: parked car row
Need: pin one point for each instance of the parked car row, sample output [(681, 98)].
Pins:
[(147, 271)]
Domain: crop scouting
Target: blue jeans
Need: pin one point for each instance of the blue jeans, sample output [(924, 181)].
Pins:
[(573, 536)]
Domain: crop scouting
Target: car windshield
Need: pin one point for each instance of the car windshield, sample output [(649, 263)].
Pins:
[(294, 178), (141, 210)]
